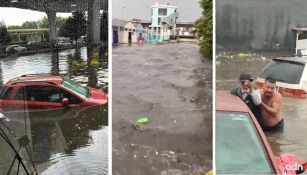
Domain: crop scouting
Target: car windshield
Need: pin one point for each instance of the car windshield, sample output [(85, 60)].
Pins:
[(75, 87), (284, 71), (239, 149)]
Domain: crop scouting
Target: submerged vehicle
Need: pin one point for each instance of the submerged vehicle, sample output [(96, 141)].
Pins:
[(45, 91), (290, 75), (241, 145)]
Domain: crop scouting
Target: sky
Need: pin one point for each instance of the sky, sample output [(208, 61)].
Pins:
[(189, 10), (15, 16)]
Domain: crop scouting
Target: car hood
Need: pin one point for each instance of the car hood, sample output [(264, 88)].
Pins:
[(98, 95)]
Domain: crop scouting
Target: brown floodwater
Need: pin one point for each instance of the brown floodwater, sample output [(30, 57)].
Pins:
[(228, 68), (170, 86)]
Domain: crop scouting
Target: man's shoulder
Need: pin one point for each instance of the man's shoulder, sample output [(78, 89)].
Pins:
[(235, 91)]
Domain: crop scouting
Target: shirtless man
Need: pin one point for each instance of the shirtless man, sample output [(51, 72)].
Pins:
[(271, 107)]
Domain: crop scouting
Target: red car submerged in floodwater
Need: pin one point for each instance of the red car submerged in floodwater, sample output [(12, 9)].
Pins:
[(45, 91), (242, 147)]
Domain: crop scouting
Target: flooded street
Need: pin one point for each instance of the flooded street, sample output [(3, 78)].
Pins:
[(67, 141), (170, 86), (293, 140)]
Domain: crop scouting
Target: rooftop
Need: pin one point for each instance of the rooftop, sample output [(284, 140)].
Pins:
[(302, 59), (36, 78), (300, 28), (227, 102), (118, 22), (163, 6), (27, 30)]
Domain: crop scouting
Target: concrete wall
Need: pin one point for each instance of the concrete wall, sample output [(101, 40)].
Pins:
[(125, 34), (259, 24)]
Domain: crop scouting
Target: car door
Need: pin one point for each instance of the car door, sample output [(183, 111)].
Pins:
[(4, 98), (37, 97)]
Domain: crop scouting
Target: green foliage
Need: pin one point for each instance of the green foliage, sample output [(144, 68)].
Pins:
[(4, 35), (204, 28), (76, 63), (29, 25), (74, 26), (60, 21), (95, 59), (42, 23)]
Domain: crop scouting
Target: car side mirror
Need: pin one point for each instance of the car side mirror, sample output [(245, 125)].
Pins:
[(65, 102)]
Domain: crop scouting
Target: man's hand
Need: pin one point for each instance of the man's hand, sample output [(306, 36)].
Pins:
[(249, 85)]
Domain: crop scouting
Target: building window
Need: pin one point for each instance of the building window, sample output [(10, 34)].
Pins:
[(162, 12), (126, 29), (302, 35), (159, 21)]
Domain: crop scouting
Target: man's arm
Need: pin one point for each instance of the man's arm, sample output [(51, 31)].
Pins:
[(274, 110)]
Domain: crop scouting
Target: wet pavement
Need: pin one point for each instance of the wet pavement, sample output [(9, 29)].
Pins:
[(68, 141), (171, 86), (293, 140)]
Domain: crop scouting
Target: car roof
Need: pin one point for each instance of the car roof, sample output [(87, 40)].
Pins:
[(293, 59), (42, 78), (227, 102)]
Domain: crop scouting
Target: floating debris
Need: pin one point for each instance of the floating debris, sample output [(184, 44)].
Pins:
[(242, 55), (142, 121)]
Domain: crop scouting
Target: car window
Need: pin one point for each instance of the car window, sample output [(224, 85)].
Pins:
[(233, 157), (44, 94), (5, 92), (284, 71), (75, 87)]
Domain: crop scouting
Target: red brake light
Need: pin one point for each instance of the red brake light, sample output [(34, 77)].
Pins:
[(299, 93), (292, 93)]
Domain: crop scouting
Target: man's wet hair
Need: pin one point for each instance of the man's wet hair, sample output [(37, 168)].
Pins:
[(271, 80)]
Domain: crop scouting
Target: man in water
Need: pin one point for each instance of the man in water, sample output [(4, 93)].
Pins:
[(271, 107), (249, 94)]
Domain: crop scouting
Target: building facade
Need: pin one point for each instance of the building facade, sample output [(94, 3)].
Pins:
[(163, 23), (28, 35)]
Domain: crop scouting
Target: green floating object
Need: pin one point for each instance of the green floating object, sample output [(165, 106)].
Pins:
[(242, 55), (142, 121)]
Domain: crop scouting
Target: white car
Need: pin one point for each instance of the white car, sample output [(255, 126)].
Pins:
[(16, 48), (290, 74), (33, 42), (63, 43)]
